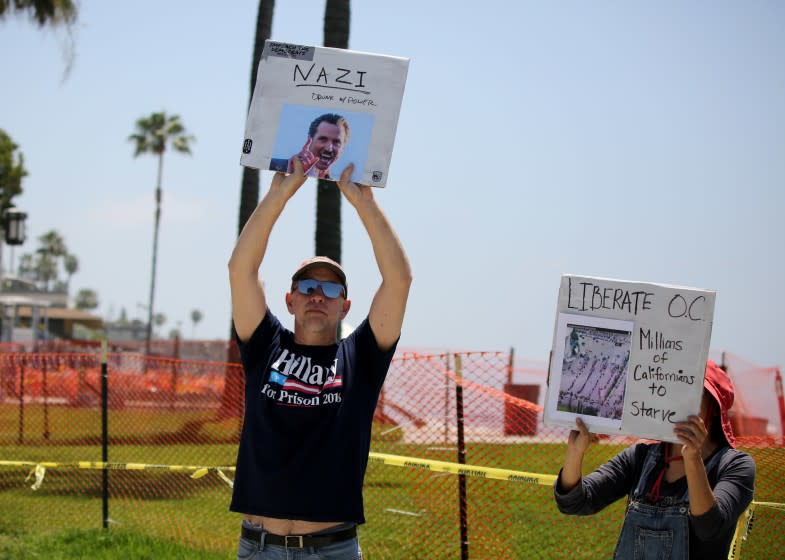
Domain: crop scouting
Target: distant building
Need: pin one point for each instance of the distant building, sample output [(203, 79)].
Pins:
[(29, 314), (125, 331)]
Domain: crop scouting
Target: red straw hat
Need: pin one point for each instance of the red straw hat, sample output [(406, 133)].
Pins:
[(719, 385)]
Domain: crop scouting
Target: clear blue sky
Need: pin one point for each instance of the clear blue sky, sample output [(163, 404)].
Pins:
[(632, 140)]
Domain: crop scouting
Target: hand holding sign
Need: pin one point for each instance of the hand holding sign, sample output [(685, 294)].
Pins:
[(353, 192), (580, 439), (288, 184), (691, 434), (306, 157)]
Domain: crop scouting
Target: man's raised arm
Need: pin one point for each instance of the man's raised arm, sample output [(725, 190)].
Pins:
[(248, 301), (389, 303)]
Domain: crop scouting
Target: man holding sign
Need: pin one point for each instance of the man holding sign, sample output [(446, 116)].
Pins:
[(310, 398)]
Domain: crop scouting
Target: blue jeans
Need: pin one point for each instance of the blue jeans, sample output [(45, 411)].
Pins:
[(344, 550)]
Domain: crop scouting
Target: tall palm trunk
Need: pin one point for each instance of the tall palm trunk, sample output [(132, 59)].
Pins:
[(232, 398), (249, 192), (156, 224), (328, 220), (328, 197), (337, 17)]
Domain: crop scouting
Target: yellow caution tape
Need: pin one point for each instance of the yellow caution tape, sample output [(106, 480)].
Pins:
[(772, 505), (225, 478), (200, 473), (742, 533), (112, 466), (466, 470), (38, 473), (38, 470)]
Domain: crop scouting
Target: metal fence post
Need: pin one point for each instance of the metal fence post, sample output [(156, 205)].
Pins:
[(104, 436), (462, 503), (780, 402), (510, 365), (45, 389), (447, 400), (21, 401), (175, 365)]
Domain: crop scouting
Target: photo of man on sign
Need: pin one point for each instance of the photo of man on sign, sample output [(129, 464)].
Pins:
[(329, 137)]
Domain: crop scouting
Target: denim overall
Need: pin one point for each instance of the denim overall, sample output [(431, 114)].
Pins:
[(656, 532)]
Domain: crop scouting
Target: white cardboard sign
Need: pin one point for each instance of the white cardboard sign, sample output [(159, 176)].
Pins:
[(628, 357), (297, 85)]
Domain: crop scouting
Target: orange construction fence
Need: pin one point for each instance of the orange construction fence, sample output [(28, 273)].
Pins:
[(168, 419)]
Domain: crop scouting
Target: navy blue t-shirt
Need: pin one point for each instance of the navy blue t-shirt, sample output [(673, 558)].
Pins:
[(307, 431)]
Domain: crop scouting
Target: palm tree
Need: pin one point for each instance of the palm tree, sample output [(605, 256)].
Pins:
[(231, 400), (159, 319), (45, 269), (249, 190), (12, 170), (71, 263), (153, 135), (52, 243), (52, 248), (328, 198), (52, 14), (44, 12), (196, 316), (25, 269), (86, 299)]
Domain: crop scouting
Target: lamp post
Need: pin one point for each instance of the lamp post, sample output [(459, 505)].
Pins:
[(12, 222), (14, 226)]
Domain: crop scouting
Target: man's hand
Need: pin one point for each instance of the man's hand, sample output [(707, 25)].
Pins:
[(353, 192), (287, 185), (307, 159)]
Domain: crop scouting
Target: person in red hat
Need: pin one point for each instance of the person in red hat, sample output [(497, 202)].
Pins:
[(310, 397), (685, 499)]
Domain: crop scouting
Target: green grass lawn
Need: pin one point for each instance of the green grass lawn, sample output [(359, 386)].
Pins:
[(411, 513), (96, 544)]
